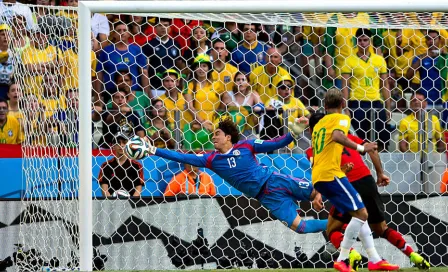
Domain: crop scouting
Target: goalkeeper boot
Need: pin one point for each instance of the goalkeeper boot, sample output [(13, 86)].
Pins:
[(382, 265), (355, 259), (419, 261), (342, 266)]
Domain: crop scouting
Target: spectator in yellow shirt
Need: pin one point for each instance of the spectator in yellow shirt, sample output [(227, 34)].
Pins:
[(14, 96), (365, 86), (39, 59), (262, 77), (51, 98), (10, 132), (173, 99), (410, 138), (202, 96), (223, 71)]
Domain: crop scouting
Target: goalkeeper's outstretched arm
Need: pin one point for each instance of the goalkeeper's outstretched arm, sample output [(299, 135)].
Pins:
[(198, 160)]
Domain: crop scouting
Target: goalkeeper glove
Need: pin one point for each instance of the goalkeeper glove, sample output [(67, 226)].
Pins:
[(151, 149), (298, 126)]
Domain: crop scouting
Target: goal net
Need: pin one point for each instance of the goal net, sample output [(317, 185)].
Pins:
[(172, 77)]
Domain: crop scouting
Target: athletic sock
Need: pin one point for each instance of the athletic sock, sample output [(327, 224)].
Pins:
[(336, 238), (351, 234), (365, 235), (396, 239)]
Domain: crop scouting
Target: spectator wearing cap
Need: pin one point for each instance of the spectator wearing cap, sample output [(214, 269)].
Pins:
[(120, 119), (202, 96), (173, 99), (262, 77), (365, 86), (416, 122), (121, 56), (39, 59), (162, 52), (159, 129), (251, 52), (120, 172), (284, 100), (6, 60), (191, 181), (199, 44), (11, 8), (223, 71)]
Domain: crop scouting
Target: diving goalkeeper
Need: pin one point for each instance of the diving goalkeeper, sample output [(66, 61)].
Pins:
[(235, 162)]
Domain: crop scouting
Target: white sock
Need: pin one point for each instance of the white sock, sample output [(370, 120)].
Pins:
[(365, 235), (350, 236)]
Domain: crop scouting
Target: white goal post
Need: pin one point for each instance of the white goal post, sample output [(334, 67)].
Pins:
[(254, 7)]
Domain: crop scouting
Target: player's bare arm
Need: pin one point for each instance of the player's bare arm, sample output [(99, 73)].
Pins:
[(340, 138)]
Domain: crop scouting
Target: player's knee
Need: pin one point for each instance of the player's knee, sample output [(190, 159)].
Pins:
[(361, 214)]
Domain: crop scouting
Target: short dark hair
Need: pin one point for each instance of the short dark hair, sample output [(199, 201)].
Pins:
[(117, 23), (242, 25), (433, 31), (363, 31), (122, 73), (229, 128), (418, 93), (217, 41), (2, 100), (333, 99), (315, 118)]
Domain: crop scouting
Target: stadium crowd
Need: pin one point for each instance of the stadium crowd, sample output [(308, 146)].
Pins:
[(173, 79)]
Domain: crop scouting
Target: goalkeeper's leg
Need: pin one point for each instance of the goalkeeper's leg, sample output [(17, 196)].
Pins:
[(280, 197)]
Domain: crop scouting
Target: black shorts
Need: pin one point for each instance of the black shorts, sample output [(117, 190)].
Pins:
[(367, 189)]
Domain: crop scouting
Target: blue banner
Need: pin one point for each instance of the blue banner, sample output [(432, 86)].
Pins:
[(53, 177)]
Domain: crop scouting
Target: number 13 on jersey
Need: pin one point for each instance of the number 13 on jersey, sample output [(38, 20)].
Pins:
[(232, 162)]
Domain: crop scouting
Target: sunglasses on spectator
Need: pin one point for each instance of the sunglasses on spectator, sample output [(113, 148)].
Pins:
[(284, 87)]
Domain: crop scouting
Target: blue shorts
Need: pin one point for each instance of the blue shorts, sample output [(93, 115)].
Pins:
[(280, 196), (341, 194)]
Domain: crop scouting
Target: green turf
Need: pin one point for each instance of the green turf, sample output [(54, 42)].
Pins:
[(285, 270)]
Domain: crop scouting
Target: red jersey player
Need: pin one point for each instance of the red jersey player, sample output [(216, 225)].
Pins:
[(360, 177)]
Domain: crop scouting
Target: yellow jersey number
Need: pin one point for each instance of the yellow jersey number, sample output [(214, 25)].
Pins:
[(319, 141)]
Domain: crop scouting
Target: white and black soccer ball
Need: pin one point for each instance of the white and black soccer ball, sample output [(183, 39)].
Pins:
[(136, 148)]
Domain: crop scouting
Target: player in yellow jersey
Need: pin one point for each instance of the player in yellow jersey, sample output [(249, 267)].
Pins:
[(329, 138)]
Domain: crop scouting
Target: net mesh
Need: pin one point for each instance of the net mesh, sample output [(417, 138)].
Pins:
[(172, 77)]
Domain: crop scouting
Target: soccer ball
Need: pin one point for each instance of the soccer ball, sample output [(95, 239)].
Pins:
[(136, 148)]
